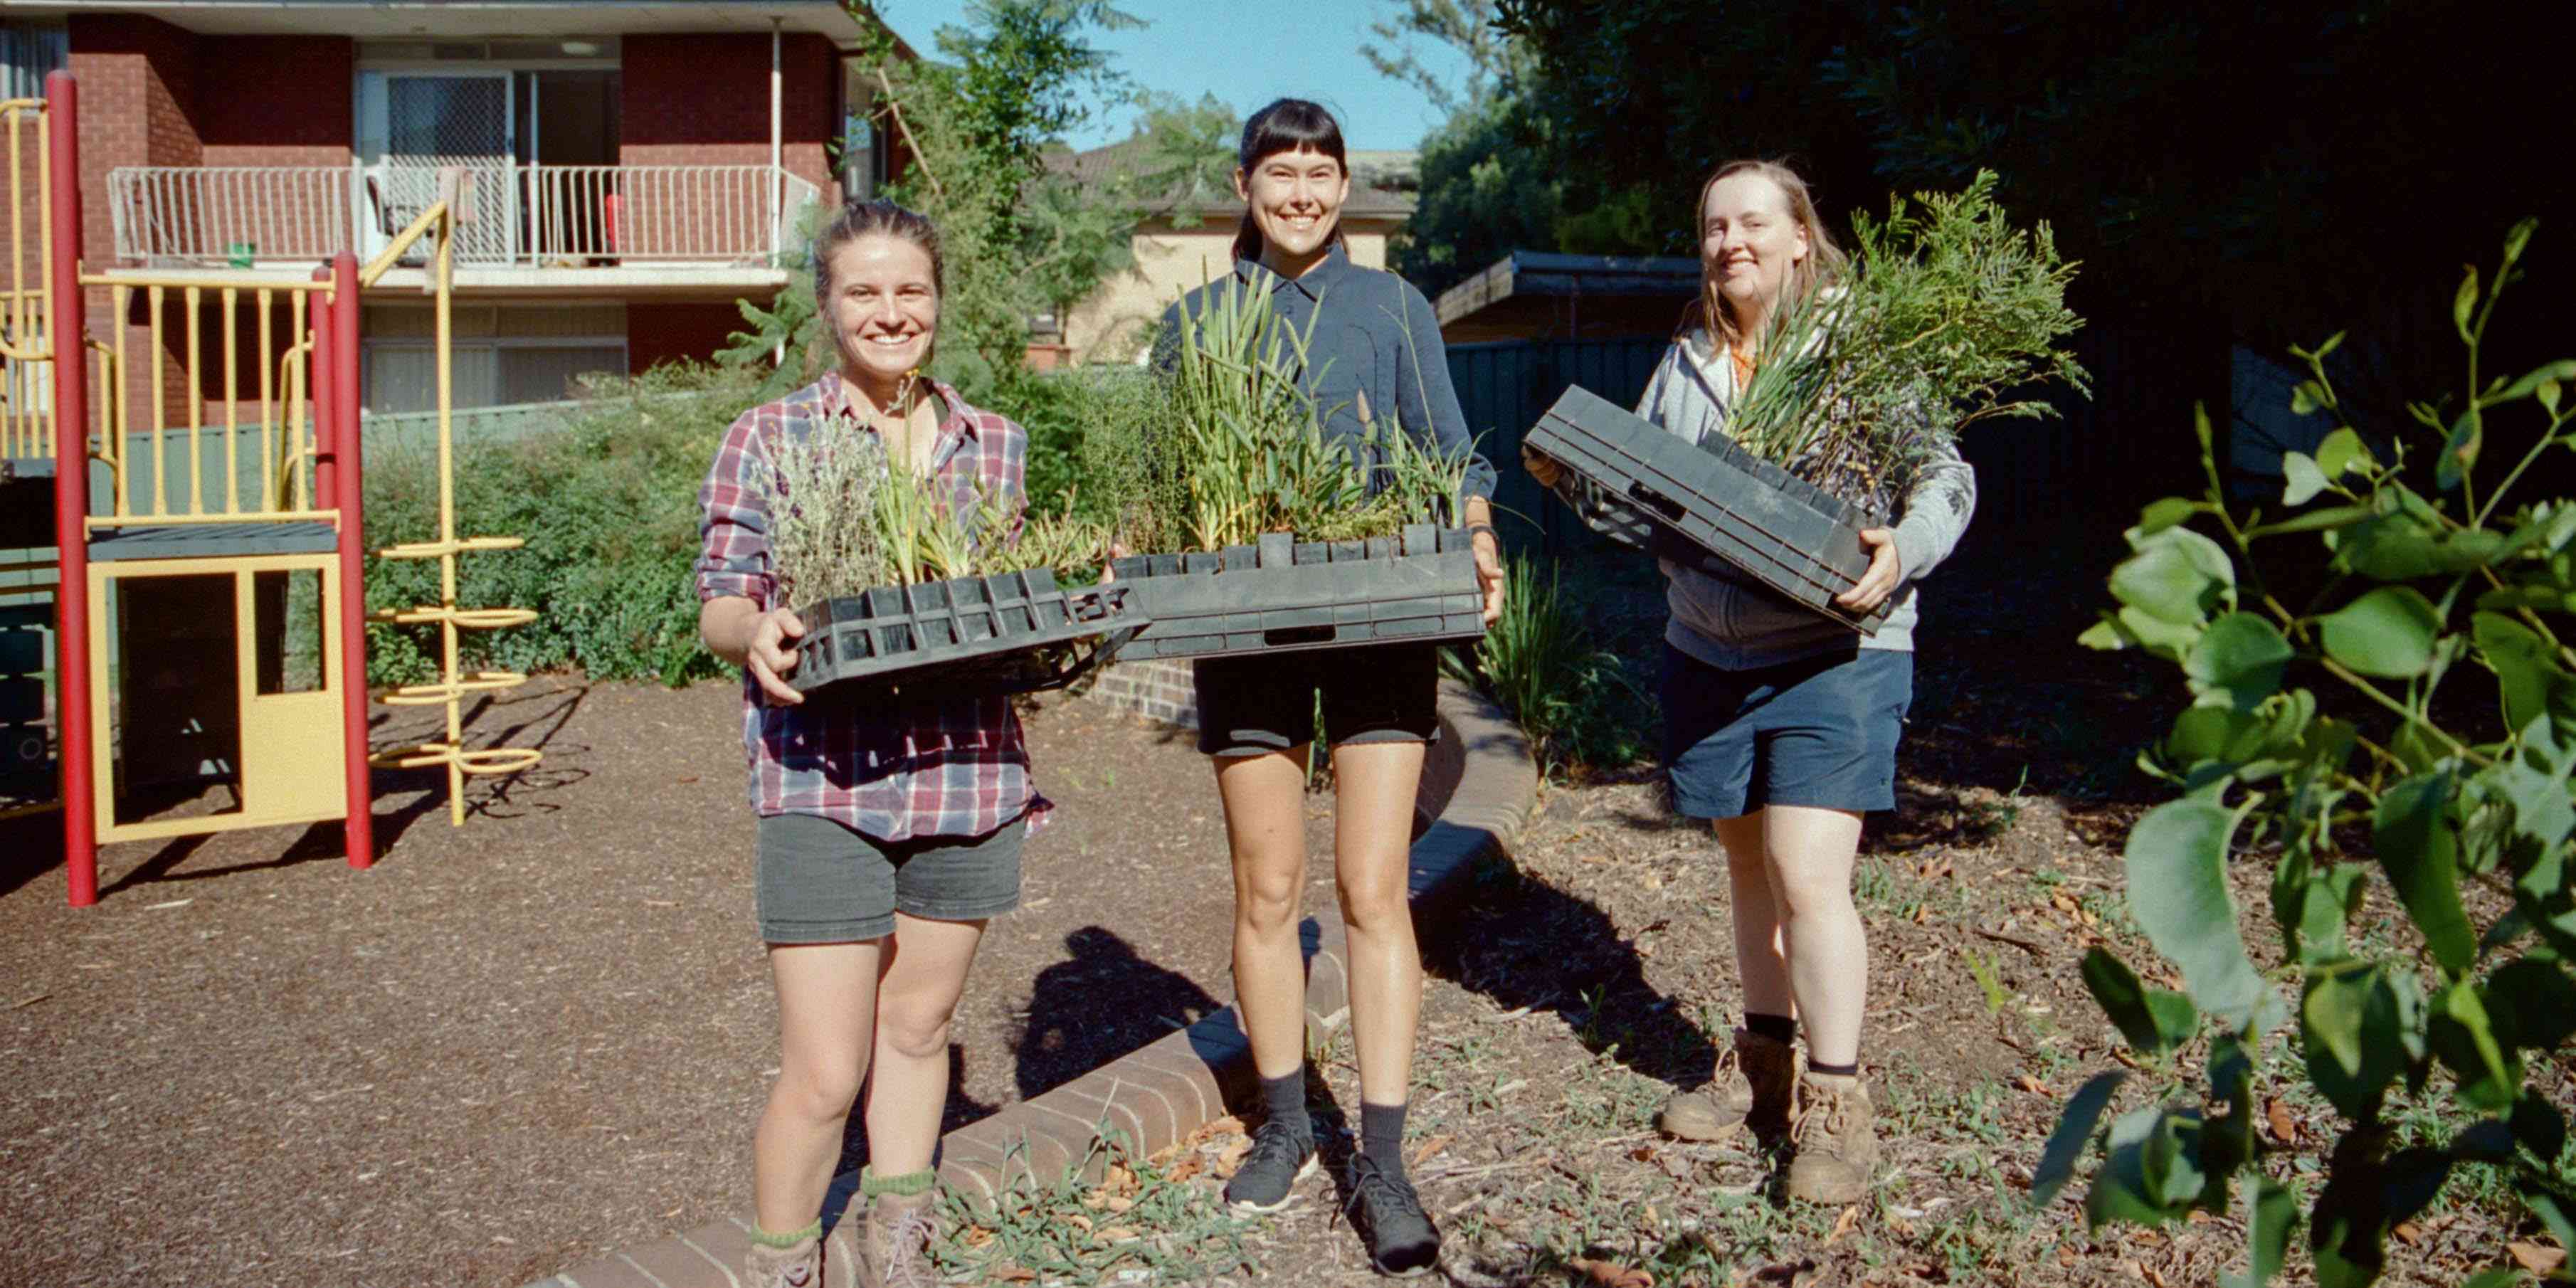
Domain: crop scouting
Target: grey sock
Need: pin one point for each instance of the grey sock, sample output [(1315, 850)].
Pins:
[(1284, 1099), (1382, 1136)]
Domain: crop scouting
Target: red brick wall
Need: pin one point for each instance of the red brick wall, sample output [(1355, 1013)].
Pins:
[(285, 100), (704, 100), (138, 94), (669, 332)]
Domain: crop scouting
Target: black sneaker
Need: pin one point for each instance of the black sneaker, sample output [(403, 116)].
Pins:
[(1280, 1157), (1391, 1223)]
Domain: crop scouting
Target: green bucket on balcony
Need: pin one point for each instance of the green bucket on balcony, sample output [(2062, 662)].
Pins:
[(240, 254)]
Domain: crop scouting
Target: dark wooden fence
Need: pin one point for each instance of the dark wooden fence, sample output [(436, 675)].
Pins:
[(2082, 473)]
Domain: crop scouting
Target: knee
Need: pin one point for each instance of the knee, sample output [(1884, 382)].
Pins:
[(1802, 895), (821, 1090), (1265, 905), (1374, 903), (915, 1028)]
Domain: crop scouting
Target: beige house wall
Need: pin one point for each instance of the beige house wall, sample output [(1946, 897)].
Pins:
[(1112, 325)]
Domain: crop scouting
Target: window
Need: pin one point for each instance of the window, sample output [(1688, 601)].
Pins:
[(27, 54), (503, 355)]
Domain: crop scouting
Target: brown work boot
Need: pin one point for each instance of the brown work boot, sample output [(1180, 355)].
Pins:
[(1835, 1139), (1754, 1085), (894, 1241), (797, 1265)]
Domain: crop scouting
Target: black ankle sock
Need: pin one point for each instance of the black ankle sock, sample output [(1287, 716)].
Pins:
[(1382, 1136), (1851, 1070), (1778, 1028), (1284, 1099)]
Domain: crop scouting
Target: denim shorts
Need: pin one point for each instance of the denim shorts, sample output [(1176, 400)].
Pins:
[(825, 883), (1819, 732), (1263, 703)]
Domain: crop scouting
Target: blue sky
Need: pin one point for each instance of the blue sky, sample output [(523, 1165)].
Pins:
[(1195, 47)]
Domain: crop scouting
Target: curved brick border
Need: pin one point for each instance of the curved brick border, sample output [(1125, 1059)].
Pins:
[(1477, 788)]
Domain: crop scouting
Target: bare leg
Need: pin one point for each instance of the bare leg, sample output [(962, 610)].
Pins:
[(1812, 852), (1372, 845), (1759, 959), (1265, 827), (917, 991), (827, 1001)]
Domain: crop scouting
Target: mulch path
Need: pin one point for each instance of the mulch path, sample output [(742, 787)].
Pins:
[(520, 1044)]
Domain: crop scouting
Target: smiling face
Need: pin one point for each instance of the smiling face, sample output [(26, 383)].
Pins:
[(884, 306), (1296, 201), (1749, 240)]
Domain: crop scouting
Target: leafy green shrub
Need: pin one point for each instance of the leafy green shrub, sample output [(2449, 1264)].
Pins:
[(607, 502), (2449, 590), (1542, 663)]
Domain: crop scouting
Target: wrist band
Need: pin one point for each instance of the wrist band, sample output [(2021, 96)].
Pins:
[(1488, 530)]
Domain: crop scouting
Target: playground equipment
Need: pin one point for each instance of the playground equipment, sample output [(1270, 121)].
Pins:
[(211, 602), (26, 450)]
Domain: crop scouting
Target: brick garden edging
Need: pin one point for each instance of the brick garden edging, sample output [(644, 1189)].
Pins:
[(1477, 789)]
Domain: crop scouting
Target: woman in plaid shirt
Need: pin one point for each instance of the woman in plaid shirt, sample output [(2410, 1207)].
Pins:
[(887, 835)]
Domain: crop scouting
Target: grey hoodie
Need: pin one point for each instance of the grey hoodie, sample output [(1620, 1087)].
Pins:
[(1729, 620)]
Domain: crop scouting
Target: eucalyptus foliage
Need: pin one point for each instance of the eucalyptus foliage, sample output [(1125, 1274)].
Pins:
[(1948, 312), (2432, 774)]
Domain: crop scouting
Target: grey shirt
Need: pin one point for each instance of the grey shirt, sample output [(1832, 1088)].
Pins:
[(1378, 337), (1727, 618)]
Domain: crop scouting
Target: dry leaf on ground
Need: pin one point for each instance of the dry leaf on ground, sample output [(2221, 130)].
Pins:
[(1610, 1274), (1431, 1147), (1843, 1225), (2284, 1128), (2537, 1258)]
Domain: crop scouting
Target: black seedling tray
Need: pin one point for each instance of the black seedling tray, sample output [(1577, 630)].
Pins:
[(1722, 500), (1010, 633), (1286, 595)]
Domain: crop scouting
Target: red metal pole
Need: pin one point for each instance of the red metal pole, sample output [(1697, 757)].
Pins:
[(350, 445), (326, 410), (65, 330)]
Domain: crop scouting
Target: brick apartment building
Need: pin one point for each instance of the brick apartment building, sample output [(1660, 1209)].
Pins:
[(636, 168)]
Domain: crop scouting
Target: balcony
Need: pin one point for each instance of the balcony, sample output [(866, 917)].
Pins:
[(527, 226)]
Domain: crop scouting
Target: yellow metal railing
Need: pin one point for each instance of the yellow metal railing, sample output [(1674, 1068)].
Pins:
[(26, 356), (162, 466), (453, 683)]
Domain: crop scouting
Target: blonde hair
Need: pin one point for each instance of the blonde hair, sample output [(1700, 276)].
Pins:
[(1824, 265)]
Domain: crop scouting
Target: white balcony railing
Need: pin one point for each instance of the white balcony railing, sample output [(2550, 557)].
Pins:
[(523, 216)]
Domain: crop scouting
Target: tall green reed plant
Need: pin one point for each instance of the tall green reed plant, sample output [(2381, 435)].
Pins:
[(1542, 663), (1231, 446)]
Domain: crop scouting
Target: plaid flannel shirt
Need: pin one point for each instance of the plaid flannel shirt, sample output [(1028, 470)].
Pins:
[(948, 769)]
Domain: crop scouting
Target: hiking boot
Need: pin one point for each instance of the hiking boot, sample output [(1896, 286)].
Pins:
[(1754, 1085), (895, 1239), (1280, 1157), (1388, 1215), (1835, 1139), (798, 1265)]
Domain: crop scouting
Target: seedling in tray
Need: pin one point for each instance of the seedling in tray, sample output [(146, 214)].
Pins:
[(1283, 537), (906, 593)]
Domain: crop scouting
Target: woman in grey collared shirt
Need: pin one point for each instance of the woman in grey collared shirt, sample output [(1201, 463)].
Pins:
[(1374, 351)]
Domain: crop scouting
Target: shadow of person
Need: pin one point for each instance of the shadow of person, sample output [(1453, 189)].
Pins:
[(1526, 943), (1100, 1003), (960, 1110)]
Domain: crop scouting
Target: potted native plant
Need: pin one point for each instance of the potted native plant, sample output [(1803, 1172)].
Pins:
[(897, 590), (1271, 535), (1947, 311)]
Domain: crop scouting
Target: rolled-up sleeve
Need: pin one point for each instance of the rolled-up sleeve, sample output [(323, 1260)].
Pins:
[(1425, 396), (733, 517)]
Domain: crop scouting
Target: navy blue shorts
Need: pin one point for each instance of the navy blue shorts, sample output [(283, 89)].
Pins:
[(1820, 732)]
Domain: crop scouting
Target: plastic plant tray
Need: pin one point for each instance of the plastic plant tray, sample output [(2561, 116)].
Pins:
[(1720, 499), (1286, 595), (973, 636)]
